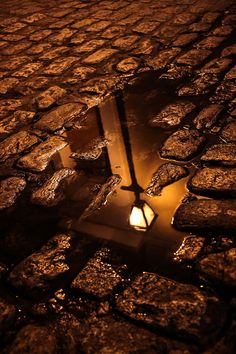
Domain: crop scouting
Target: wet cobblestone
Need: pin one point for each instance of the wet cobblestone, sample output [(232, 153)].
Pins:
[(57, 60)]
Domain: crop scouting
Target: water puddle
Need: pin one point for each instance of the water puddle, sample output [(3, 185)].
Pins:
[(115, 139)]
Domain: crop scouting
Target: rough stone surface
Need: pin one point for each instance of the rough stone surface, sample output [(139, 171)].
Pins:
[(216, 66), (59, 66), (228, 133), (9, 105), (40, 270), (10, 189), (165, 175), (102, 195), (15, 121), (127, 65), (28, 70), (223, 154), (173, 307), (7, 84), (100, 275), (201, 84), (58, 117), (219, 268), (39, 158), (172, 114), (208, 116), (185, 39), (221, 181), (210, 42), (7, 314), (190, 248), (16, 144), (101, 86), (52, 192), (224, 92), (57, 60), (206, 213), (194, 57), (182, 145), (114, 335), (99, 56), (231, 75), (163, 58), (91, 152), (49, 97), (34, 339)]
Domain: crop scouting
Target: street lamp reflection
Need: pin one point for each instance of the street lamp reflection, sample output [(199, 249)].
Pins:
[(142, 216)]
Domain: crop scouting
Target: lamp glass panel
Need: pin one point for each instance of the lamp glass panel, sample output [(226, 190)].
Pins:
[(149, 213), (137, 217)]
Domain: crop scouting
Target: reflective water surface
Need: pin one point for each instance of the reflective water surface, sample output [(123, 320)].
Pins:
[(115, 138)]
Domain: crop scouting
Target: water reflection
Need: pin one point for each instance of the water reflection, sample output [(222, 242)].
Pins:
[(131, 152)]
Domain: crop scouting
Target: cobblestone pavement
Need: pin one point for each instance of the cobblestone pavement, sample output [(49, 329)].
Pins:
[(66, 293)]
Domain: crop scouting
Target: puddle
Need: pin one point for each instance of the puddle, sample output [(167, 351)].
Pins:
[(114, 139), (130, 149)]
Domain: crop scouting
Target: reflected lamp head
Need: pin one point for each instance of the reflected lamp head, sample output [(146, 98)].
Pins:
[(141, 216)]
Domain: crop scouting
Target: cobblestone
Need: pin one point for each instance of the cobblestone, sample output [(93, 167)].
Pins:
[(207, 213), (39, 158), (127, 65), (210, 42), (15, 121), (216, 66), (16, 144), (7, 84), (148, 291), (223, 154), (208, 116), (194, 57), (100, 276), (61, 36), (215, 180), (172, 115), (219, 267), (43, 267), (35, 339), (190, 248), (27, 70), (14, 49), (229, 51), (182, 145), (89, 46), (10, 189), (165, 175), (7, 314), (229, 132), (225, 92), (53, 190), (59, 66), (199, 86), (57, 118), (99, 56), (38, 36), (47, 98), (163, 58), (185, 39), (14, 62), (58, 59), (231, 75)]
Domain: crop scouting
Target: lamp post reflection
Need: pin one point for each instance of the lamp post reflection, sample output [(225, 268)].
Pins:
[(141, 216), (125, 216)]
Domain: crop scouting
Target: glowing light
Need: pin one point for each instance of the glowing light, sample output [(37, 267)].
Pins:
[(141, 216)]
